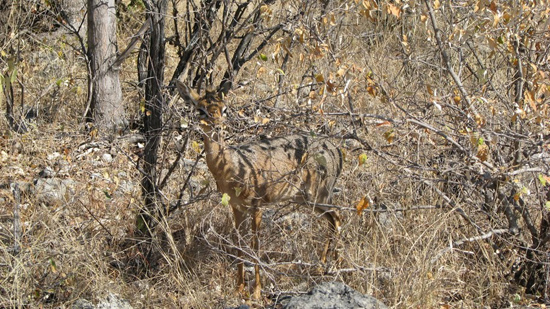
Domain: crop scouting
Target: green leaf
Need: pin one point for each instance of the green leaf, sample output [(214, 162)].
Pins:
[(321, 159), (480, 141), (225, 199), (482, 76), (547, 205), (263, 57), (107, 194), (53, 267), (140, 223), (13, 75), (542, 179)]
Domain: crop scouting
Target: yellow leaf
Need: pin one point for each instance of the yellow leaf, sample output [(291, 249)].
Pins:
[(362, 205), (482, 152), (394, 10), (142, 106), (496, 19), (372, 90), (319, 78), (300, 34), (529, 97), (225, 199), (362, 159), (430, 90), (456, 99), (196, 147), (341, 72), (261, 71), (344, 154), (389, 136), (437, 4), (479, 120)]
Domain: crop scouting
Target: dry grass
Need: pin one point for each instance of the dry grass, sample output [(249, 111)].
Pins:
[(81, 246)]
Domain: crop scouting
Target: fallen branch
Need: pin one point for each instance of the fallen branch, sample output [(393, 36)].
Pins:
[(465, 240)]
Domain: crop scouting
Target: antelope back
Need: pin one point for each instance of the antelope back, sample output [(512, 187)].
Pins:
[(297, 167)]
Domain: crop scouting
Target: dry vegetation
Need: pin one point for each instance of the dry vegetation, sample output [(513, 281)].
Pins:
[(441, 176)]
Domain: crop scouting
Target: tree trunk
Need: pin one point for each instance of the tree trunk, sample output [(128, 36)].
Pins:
[(106, 109), (154, 101)]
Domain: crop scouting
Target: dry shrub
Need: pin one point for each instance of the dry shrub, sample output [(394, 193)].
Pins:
[(418, 245)]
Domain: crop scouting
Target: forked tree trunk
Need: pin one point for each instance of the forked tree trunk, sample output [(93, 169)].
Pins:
[(106, 109)]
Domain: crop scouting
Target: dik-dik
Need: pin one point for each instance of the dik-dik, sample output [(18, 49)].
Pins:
[(296, 168)]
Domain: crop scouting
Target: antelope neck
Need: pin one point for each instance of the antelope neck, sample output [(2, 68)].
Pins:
[(214, 144)]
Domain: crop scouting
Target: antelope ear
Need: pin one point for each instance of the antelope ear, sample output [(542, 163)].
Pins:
[(189, 95)]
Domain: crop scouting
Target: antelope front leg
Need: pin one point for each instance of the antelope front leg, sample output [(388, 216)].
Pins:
[(256, 222), (239, 226), (334, 233)]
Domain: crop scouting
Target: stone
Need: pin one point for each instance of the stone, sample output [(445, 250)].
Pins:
[(332, 295)]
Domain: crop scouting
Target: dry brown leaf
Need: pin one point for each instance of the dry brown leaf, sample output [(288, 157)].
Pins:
[(362, 205)]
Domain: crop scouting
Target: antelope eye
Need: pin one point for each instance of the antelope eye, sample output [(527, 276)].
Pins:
[(203, 113)]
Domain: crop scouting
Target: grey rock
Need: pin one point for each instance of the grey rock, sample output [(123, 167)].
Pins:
[(82, 304), (47, 172), (332, 295), (107, 157), (113, 301), (53, 191)]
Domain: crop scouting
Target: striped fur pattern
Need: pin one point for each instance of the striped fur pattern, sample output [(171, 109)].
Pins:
[(297, 168)]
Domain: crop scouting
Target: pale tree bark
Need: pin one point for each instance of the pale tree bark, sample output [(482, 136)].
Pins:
[(73, 12), (105, 102)]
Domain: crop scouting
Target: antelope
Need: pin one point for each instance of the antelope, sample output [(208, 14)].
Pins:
[(296, 168)]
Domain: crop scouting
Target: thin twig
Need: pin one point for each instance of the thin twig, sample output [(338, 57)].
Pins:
[(174, 164), (133, 43), (447, 60), (465, 240), (16, 218), (95, 218)]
